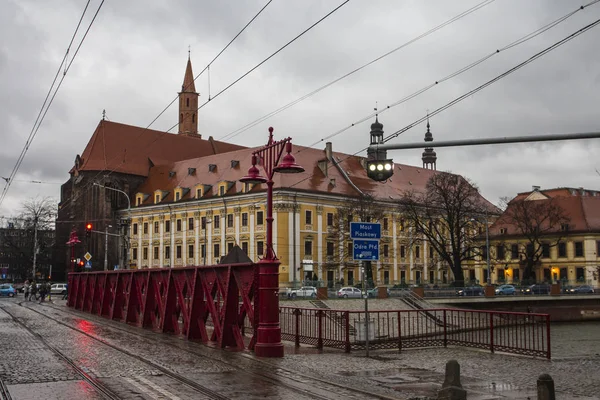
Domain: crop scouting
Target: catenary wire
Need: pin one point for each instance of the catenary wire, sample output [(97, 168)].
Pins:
[(40, 120), (107, 173), (210, 63), (458, 72), (473, 91), (413, 40)]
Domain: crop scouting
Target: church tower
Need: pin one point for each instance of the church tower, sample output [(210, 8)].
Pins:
[(429, 157), (188, 103)]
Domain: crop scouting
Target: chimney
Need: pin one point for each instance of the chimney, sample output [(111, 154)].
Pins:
[(328, 151), (535, 188)]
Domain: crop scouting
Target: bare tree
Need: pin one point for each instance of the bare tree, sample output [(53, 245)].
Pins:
[(443, 215), (364, 208), (32, 241), (542, 223)]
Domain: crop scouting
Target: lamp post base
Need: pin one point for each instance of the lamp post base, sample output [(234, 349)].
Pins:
[(268, 335), (271, 350)]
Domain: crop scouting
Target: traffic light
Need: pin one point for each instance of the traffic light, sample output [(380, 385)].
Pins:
[(380, 170), (81, 263), (88, 230)]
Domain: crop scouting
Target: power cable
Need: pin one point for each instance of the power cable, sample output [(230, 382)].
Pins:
[(207, 68), (40, 120), (105, 173), (473, 91), (415, 39), (460, 71)]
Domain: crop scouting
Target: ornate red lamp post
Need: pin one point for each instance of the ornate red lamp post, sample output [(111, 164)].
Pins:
[(73, 240), (268, 340)]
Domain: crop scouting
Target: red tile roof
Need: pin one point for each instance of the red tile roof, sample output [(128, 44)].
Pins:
[(128, 149), (344, 181)]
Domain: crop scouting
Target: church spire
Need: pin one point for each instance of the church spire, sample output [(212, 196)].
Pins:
[(429, 156), (188, 103)]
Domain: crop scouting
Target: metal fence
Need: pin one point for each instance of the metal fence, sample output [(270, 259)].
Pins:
[(510, 332)]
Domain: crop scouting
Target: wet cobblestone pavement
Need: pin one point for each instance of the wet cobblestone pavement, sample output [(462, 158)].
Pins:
[(134, 363)]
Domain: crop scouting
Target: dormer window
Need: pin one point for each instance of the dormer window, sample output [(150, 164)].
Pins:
[(198, 193), (156, 198), (138, 201), (177, 195), (140, 198), (191, 171), (234, 163), (564, 227), (222, 190), (212, 167), (503, 231)]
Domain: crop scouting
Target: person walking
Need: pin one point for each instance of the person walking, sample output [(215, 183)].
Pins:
[(66, 295), (33, 291), (26, 288), (43, 292), (49, 290)]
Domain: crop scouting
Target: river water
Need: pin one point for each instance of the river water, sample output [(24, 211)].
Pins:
[(575, 340)]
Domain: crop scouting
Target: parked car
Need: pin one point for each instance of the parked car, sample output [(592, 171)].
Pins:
[(6, 289), (304, 291), (580, 289), (506, 290), (373, 293), (536, 289), (349, 292), (58, 288), (476, 290)]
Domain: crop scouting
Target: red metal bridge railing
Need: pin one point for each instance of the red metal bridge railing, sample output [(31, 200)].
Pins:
[(207, 303)]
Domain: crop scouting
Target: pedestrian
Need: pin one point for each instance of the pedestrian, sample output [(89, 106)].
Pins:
[(33, 291), (26, 290), (49, 290), (65, 295), (43, 292)]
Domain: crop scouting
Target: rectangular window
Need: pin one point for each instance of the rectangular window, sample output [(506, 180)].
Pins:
[(167, 226), (190, 251), (529, 249), (156, 227), (402, 252), (157, 198), (260, 218), (598, 248), (135, 229), (430, 251), (330, 219), (217, 222), (483, 252), (308, 217), (385, 224), (308, 248), (203, 251), (578, 249), (386, 250), (514, 251), (178, 252), (145, 228), (216, 250), (167, 252), (350, 249), (500, 252), (230, 220), (229, 246), (330, 248), (203, 223), (178, 225), (145, 253), (190, 224), (134, 255), (545, 250), (245, 247), (221, 190), (402, 224), (155, 253), (580, 274), (562, 249), (260, 248), (244, 219), (177, 196), (198, 193), (417, 252), (138, 201)]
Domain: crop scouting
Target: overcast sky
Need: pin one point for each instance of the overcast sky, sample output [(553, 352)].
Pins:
[(133, 60)]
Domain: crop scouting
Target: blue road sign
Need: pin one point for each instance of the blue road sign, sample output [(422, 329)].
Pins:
[(365, 230), (365, 250), (88, 265)]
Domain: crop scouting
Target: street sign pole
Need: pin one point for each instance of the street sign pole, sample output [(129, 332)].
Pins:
[(364, 278)]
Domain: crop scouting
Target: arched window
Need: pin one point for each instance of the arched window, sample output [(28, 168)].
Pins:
[(187, 102), (193, 117), (180, 117)]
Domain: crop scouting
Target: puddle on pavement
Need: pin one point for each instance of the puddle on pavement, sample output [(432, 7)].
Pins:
[(425, 383)]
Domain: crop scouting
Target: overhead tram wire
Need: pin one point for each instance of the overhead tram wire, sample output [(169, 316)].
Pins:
[(415, 39), (107, 173), (460, 71), (473, 91), (268, 58), (207, 67), (40, 120), (195, 78)]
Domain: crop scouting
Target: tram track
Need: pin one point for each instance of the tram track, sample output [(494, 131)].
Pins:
[(97, 385), (277, 376)]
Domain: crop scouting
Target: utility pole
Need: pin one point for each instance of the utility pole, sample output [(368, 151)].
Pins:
[(106, 246), (365, 293), (35, 222)]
